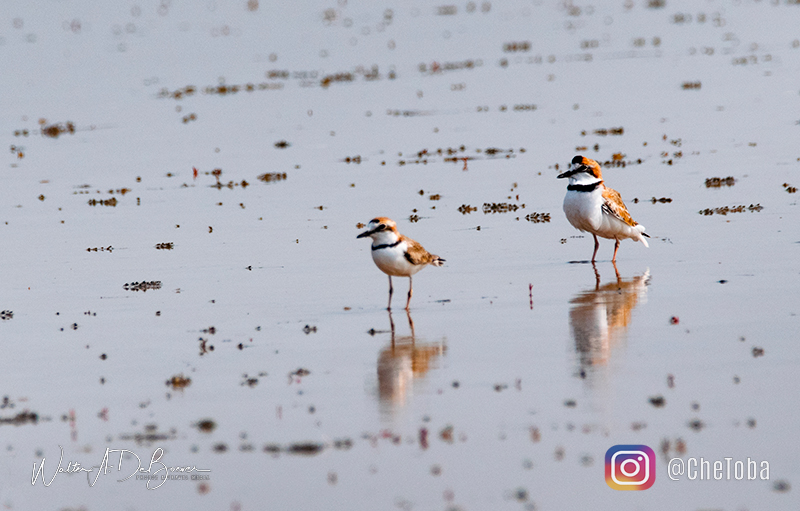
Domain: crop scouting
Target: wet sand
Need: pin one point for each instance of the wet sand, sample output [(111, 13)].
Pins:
[(233, 320)]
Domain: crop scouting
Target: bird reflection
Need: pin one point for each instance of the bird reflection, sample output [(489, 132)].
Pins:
[(599, 317), (401, 362)]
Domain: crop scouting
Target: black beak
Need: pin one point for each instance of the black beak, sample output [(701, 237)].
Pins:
[(571, 172), (381, 227)]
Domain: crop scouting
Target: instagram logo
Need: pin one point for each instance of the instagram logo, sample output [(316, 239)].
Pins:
[(630, 467)]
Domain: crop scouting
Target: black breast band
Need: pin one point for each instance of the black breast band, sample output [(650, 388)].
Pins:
[(386, 245), (584, 188)]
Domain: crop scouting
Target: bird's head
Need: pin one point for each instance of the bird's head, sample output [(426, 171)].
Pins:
[(581, 164), (377, 226)]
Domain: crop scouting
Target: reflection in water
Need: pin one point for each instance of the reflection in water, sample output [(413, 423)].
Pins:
[(600, 317), (402, 361)]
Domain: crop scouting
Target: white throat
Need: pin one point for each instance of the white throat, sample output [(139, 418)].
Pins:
[(384, 238)]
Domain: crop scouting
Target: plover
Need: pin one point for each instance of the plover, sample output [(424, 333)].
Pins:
[(593, 207), (395, 254)]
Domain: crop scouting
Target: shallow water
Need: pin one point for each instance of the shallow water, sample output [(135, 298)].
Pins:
[(519, 365)]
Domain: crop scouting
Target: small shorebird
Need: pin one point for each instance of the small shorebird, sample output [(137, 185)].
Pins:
[(592, 206), (395, 254)]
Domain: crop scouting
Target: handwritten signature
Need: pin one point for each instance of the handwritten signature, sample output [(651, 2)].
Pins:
[(155, 470)]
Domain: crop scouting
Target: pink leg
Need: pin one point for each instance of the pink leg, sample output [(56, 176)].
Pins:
[(616, 247), (389, 307), (410, 292), (596, 246)]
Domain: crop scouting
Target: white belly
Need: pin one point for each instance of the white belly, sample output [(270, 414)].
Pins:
[(584, 210), (392, 261)]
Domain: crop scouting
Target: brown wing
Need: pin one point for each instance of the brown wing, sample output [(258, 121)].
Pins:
[(613, 205), (415, 254)]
